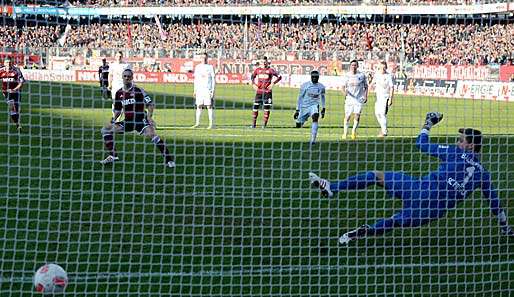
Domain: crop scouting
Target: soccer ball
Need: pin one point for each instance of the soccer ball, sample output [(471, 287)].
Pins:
[(50, 279)]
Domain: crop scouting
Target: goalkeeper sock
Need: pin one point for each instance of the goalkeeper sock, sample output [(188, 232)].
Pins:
[(355, 182), (109, 144), (314, 131), (383, 225)]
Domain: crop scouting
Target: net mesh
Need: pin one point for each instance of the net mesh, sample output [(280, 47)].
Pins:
[(237, 216)]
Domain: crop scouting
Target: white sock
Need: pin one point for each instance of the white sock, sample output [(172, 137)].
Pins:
[(382, 121), (198, 114), (345, 128), (314, 131), (355, 126), (210, 112)]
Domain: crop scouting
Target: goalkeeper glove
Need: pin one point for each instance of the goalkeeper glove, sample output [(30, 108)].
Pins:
[(323, 113), (296, 114), (432, 119)]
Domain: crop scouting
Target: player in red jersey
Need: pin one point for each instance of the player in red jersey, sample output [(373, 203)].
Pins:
[(12, 81), (262, 82), (138, 109)]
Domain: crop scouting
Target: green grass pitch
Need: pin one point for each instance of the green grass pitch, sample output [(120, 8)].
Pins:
[(237, 217)]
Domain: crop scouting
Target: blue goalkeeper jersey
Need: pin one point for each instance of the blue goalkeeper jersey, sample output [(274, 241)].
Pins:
[(459, 174), (311, 95)]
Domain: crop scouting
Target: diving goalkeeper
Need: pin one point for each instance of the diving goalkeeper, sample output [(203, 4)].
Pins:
[(427, 198)]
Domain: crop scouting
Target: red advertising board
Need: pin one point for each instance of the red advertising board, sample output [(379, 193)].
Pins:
[(162, 77), (507, 73)]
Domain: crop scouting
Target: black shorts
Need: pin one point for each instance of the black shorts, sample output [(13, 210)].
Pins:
[(139, 126), (265, 98), (12, 97)]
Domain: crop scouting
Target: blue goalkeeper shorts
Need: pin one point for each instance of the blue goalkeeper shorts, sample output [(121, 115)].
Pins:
[(418, 209)]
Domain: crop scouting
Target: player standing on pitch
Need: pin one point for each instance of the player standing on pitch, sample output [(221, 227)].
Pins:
[(384, 89), (355, 90), (262, 82), (312, 93), (204, 84), (103, 77), (428, 198), (138, 108), (12, 81), (116, 70)]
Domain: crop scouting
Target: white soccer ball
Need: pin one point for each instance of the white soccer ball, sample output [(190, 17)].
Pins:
[(50, 279)]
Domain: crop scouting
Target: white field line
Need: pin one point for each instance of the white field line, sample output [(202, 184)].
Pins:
[(81, 278)]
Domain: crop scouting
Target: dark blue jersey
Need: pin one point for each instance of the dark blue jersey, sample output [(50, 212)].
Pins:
[(458, 175)]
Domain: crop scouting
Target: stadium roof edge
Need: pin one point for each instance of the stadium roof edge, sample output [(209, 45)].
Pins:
[(267, 10)]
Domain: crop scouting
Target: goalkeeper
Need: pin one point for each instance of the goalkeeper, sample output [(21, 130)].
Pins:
[(430, 197)]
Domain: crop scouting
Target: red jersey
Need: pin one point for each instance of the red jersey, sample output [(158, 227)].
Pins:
[(264, 77), (10, 78), (133, 103)]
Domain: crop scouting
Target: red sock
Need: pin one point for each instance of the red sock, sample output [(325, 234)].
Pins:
[(266, 117), (109, 144), (255, 113)]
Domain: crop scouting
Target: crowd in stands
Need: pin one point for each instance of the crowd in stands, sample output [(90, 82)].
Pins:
[(113, 3), (423, 43)]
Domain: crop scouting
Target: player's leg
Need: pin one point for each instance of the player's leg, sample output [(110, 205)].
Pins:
[(198, 114), (13, 100), (348, 110), (210, 112), (355, 182), (108, 137), (268, 102), (258, 101), (314, 127), (149, 132), (406, 218), (380, 114), (356, 120)]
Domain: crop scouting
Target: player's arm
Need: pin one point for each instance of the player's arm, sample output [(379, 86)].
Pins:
[(213, 81), (391, 90), (423, 141), (491, 194), (100, 75), (366, 88), (254, 84), (322, 102), (150, 107), (118, 107), (344, 86), (278, 78), (109, 80)]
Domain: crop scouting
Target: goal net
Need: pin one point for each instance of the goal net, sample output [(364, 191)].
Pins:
[(237, 216)]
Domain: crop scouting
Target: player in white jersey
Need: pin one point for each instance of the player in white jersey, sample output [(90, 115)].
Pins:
[(355, 90), (312, 93), (116, 73), (384, 89), (204, 90)]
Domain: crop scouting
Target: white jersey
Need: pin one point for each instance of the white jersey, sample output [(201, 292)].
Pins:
[(383, 85), (356, 86), (311, 95), (116, 70), (204, 79)]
